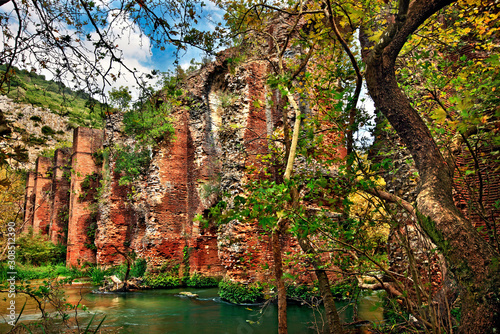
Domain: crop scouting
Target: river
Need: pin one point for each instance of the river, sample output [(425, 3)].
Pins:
[(165, 311)]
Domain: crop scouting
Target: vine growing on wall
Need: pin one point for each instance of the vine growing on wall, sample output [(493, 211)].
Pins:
[(186, 253), (90, 187), (131, 161), (149, 124), (91, 231)]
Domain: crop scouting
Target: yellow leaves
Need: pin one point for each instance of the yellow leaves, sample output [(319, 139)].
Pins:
[(11, 194), (472, 2), (377, 181), (257, 103), (376, 36), (439, 114), (357, 14), (482, 29), (367, 208)]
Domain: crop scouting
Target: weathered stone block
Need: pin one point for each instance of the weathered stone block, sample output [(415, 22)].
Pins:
[(83, 213), (42, 191), (58, 231)]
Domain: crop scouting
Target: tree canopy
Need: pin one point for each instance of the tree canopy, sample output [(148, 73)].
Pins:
[(82, 43), (420, 63)]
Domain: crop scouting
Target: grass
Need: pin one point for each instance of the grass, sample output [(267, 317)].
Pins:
[(29, 87), (47, 271), (97, 274), (29, 272)]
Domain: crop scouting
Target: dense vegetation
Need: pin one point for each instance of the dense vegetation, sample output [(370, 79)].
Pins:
[(29, 87), (432, 70), (423, 77)]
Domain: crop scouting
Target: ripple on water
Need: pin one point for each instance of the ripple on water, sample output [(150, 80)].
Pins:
[(165, 311)]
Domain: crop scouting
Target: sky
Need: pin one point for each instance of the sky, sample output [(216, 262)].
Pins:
[(135, 46), (138, 54)]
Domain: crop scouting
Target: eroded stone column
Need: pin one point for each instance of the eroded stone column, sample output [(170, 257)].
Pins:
[(58, 230), (29, 202), (42, 191), (82, 208)]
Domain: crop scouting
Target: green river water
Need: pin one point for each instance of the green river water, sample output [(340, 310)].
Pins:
[(165, 311)]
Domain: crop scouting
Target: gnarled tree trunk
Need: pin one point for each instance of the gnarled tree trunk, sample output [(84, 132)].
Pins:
[(474, 263), (331, 314)]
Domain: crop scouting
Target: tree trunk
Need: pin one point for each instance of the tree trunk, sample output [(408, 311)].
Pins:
[(332, 316), (129, 264), (280, 285), (474, 263)]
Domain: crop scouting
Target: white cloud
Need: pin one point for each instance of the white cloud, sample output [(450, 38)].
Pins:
[(133, 45), (133, 48), (215, 13), (366, 103), (135, 52)]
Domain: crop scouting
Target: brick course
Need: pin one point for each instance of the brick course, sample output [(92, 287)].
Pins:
[(86, 142), (42, 190)]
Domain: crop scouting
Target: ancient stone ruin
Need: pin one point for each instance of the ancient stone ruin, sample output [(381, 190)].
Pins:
[(76, 198), (218, 134)]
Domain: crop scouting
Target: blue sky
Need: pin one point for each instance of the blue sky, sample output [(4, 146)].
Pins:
[(163, 60), (137, 52)]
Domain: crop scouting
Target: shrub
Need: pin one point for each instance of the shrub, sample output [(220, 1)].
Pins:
[(238, 293), (97, 275), (344, 289), (139, 268), (163, 280), (38, 250), (170, 266), (302, 292), (200, 281), (47, 130), (34, 140), (149, 124), (132, 162)]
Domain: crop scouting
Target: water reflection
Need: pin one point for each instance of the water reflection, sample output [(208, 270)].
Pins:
[(165, 311)]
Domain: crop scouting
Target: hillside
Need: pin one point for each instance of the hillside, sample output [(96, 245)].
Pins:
[(41, 115)]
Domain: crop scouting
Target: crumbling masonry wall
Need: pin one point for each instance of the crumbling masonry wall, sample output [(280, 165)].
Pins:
[(59, 213), (42, 191), (29, 202), (86, 143)]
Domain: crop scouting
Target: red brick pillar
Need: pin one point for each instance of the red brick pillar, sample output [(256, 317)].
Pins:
[(29, 202), (42, 191), (81, 248), (58, 230), (114, 232)]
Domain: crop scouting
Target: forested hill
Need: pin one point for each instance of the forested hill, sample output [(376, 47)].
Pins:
[(38, 115)]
